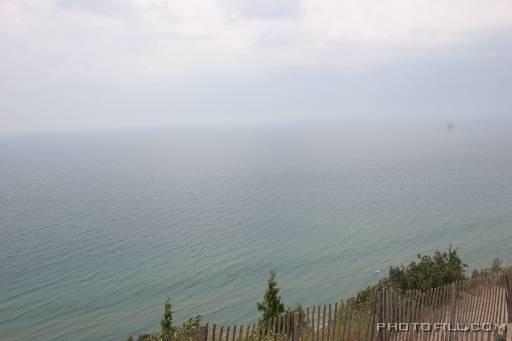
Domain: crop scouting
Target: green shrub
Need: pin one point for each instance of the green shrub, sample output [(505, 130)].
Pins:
[(428, 272)]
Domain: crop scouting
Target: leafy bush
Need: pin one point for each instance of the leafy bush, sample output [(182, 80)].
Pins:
[(428, 272)]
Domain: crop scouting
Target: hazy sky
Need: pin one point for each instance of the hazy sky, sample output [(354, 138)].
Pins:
[(82, 64)]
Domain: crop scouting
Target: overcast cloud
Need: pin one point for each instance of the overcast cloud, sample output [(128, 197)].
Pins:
[(72, 64)]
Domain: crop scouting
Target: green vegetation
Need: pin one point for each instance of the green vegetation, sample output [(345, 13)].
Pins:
[(428, 272), (496, 266), (166, 322), (271, 306), (169, 332), (423, 274)]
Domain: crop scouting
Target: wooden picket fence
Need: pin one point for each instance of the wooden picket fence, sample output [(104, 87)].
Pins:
[(484, 299), (336, 321)]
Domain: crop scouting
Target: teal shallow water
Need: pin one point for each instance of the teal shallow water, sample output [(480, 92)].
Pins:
[(97, 230)]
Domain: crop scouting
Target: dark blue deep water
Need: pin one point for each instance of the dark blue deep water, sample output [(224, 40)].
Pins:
[(98, 229)]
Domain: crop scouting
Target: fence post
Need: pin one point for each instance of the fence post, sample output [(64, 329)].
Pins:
[(380, 312), (508, 278), (453, 308), (296, 326), (372, 317)]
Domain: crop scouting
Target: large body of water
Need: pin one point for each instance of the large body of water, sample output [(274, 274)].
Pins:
[(97, 230)]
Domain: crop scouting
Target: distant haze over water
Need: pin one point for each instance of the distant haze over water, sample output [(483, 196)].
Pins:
[(97, 230)]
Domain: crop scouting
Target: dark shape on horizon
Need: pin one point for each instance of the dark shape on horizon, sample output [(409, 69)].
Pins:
[(450, 126)]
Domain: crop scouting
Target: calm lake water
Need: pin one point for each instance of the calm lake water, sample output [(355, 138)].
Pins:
[(98, 229)]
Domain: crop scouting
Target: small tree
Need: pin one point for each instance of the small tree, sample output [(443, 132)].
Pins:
[(271, 306), (166, 322)]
